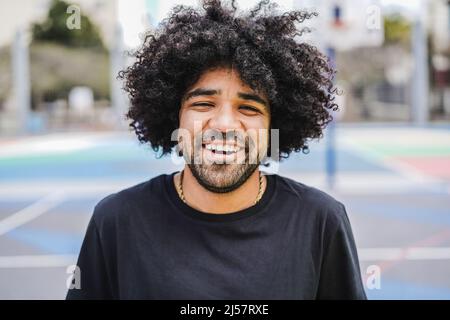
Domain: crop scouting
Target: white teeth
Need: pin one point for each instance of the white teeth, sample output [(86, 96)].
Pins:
[(230, 149), (221, 148)]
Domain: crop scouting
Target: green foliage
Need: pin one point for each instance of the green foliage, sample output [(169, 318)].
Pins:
[(56, 69), (62, 58), (397, 30), (54, 29)]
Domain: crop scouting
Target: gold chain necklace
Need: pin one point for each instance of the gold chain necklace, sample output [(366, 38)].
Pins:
[(181, 194)]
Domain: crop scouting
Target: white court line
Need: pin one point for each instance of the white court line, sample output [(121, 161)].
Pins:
[(393, 254), (59, 143), (37, 261), (31, 212), (76, 189)]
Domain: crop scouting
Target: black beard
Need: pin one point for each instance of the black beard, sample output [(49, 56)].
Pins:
[(245, 172), (205, 174)]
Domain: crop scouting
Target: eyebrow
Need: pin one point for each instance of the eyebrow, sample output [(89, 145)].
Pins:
[(210, 92), (201, 92)]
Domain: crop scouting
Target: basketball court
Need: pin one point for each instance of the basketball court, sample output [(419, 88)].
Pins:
[(397, 198)]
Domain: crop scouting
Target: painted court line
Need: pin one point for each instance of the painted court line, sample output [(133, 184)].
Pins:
[(394, 254), (37, 261), (31, 212), (407, 170)]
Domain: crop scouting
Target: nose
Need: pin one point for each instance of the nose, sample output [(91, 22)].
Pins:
[(225, 119)]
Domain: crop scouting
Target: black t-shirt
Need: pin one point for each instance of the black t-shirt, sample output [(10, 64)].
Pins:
[(144, 242)]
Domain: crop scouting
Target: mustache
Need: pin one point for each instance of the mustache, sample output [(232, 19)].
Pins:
[(221, 137)]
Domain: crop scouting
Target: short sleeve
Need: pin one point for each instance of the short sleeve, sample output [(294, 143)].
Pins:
[(94, 282), (340, 276)]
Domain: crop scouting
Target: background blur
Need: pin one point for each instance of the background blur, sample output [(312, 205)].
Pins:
[(64, 143)]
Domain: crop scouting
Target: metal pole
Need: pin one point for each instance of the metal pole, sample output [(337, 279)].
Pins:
[(117, 60), (420, 85), (21, 81)]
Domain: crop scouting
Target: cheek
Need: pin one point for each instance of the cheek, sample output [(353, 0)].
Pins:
[(187, 121), (263, 137), (257, 123), (190, 119), (258, 130), (193, 123)]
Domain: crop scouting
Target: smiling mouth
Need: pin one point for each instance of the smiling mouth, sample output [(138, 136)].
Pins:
[(221, 149)]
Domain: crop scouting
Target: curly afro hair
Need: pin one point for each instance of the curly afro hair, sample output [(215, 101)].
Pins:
[(260, 44)]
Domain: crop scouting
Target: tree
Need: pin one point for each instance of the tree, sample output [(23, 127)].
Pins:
[(397, 30), (54, 29)]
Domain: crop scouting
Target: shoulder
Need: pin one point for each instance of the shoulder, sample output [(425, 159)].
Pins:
[(122, 203), (314, 201)]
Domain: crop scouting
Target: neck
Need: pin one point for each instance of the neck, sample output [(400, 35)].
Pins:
[(204, 200)]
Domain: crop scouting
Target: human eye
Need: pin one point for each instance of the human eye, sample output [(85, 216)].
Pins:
[(249, 109), (202, 106)]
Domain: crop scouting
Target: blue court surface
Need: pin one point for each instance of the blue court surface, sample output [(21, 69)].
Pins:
[(400, 214)]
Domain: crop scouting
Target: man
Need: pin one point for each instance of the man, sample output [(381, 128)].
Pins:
[(214, 85)]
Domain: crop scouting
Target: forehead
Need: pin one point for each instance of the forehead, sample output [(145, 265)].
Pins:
[(222, 78)]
